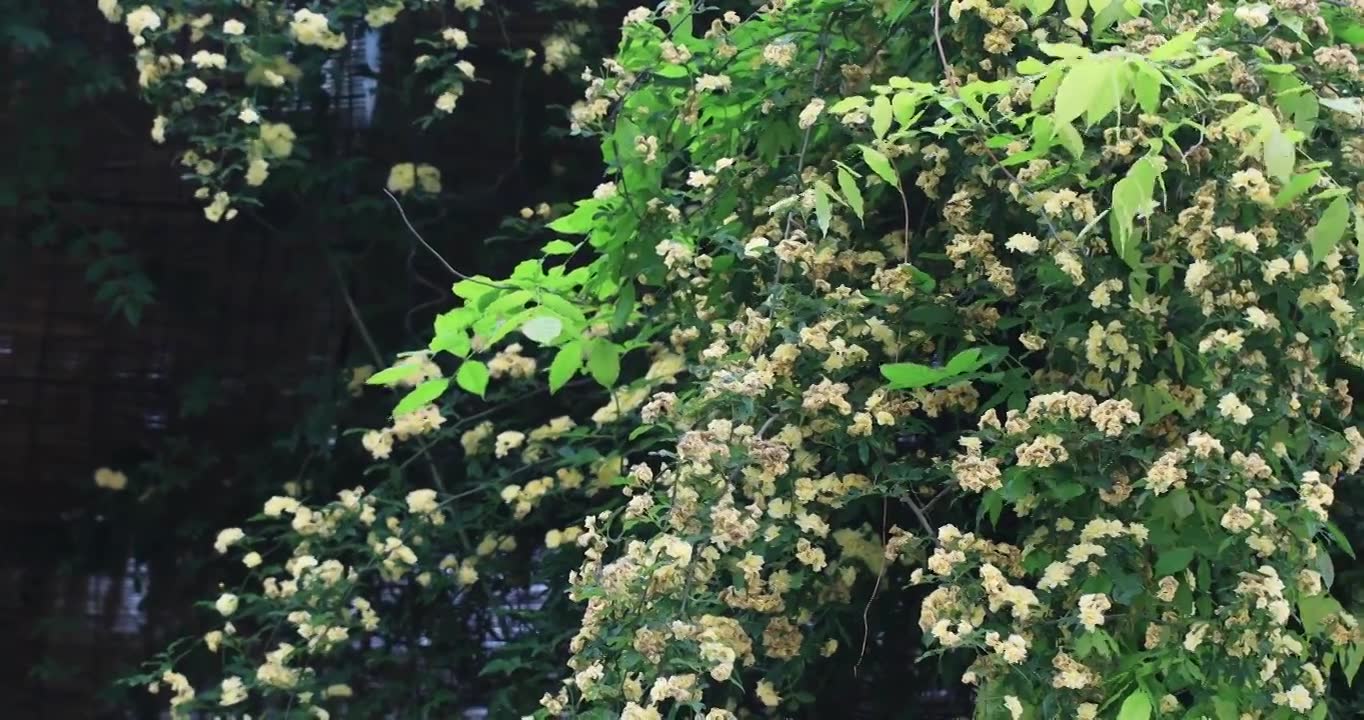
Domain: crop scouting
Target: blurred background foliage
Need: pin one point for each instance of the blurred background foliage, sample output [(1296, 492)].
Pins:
[(213, 364)]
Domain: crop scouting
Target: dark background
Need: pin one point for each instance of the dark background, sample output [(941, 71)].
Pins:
[(208, 361)]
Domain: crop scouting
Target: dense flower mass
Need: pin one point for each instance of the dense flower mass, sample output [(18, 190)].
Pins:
[(1042, 314)]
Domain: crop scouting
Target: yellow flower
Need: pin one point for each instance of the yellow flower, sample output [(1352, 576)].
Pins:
[(110, 479), (402, 178)]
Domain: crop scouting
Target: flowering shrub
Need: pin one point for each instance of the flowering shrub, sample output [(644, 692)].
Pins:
[(1048, 309)]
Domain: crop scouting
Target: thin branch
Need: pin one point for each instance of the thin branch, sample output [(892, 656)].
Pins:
[(432, 250), (923, 519), (880, 575)]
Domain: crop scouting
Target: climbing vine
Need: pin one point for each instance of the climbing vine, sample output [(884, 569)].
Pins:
[(1038, 319)]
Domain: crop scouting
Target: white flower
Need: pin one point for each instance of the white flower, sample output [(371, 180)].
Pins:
[(141, 20), (196, 86), (810, 114), (422, 502), (234, 27), (1255, 16), (233, 691), (713, 83), (205, 59), (226, 604), (638, 16), (1014, 706), (159, 129), (456, 37), (257, 171), (1232, 407), (1024, 243), (466, 67), (248, 115), (446, 102), (111, 9), (227, 537)]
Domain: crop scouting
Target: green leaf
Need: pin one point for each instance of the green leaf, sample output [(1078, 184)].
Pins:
[(1040, 7), (903, 105), (1065, 51), (1295, 187), (880, 165), (1314, 609), (603, 361), (1352, 660), (1077, 8), (1279, 155), (388, 376), (1146, 82), (1046, 87), (880, 116), (1323, 236), (1070, 139), (1092, 88), (1137, 706), (473, 377), (559, 247), (474, 288), (565, 365), (1172, 561), (578, 222), (1030, 66), (543, 329), (848, 184), (1174, 48), (1131, 195), (913, 375), (823, 208), (421, 395)]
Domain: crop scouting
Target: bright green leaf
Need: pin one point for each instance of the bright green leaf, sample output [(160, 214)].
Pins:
[(848, 184), (559, 247), (823, 208), (603, 361), (1295, 187), (543, 329), (421, 395), (880, 116), (1323, 236), (1137, 706), (1174, 48), (473, 377), (1030, 66), (578, 222), (388, 376), (1065, 51), (1279, 155), (565, 364), (880, 165), (903, 105)]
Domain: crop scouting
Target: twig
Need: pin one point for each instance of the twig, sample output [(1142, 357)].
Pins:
[(880, 575), (942, 494), (432, 250), (923, 519)]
